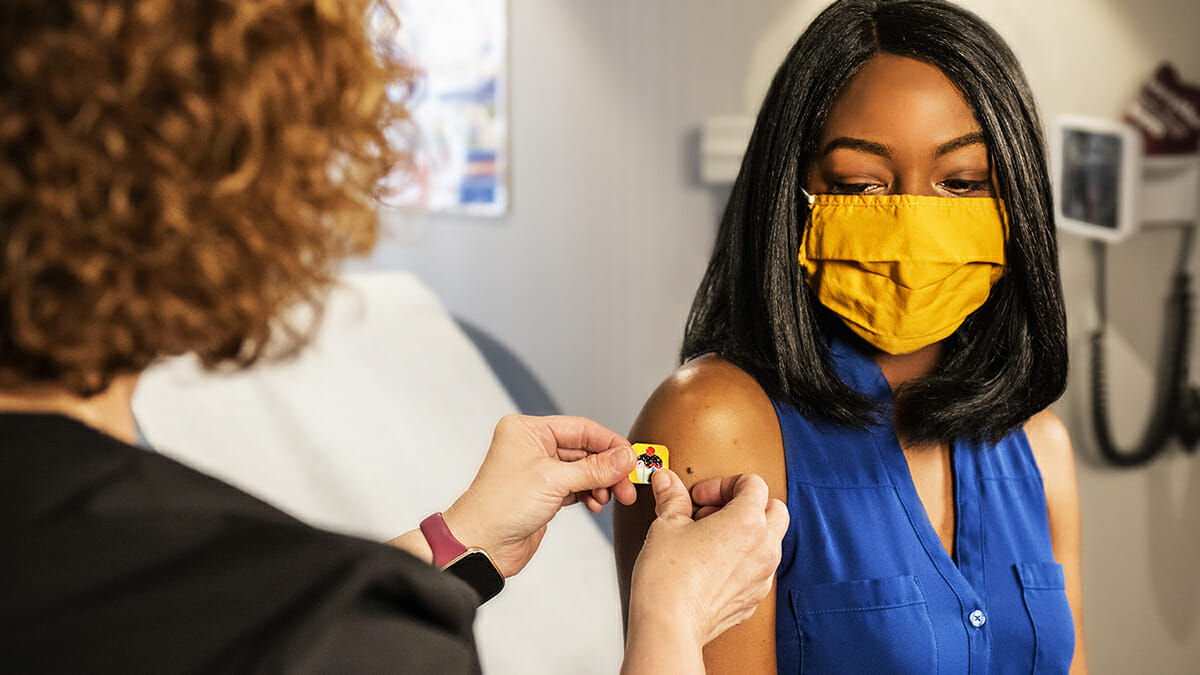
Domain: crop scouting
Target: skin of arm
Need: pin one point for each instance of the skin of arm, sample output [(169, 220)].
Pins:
[(695, 578), (1051, 447), (716, 421)]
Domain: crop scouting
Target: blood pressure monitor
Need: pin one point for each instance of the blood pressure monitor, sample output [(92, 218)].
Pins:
[(1096, 171)]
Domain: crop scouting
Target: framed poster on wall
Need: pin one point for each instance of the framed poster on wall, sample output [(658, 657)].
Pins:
[(457, 134)]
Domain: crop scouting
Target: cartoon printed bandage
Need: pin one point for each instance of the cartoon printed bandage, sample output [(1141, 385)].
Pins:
[(650, 458)]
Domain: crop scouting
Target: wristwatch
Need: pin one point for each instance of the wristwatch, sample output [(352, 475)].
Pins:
[(472, 565)]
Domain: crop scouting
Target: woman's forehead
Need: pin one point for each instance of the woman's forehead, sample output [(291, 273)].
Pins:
[(900, 102)]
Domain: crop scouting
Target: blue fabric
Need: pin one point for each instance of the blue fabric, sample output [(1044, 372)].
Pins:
[(865, 584)]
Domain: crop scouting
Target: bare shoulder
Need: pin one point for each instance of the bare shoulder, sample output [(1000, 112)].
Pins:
[(716, 420), (1051, 446)]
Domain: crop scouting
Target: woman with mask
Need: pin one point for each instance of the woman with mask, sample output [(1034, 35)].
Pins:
[(879, 334)]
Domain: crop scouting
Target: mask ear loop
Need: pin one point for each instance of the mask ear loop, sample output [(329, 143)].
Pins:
[(805, 226)]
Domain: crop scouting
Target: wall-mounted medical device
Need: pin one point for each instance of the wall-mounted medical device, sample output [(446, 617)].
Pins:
[(1107, 188), (1096, 170), (1111, 180)]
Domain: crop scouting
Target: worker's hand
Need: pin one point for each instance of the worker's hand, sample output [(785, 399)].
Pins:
[(700, 577), (534, 467)]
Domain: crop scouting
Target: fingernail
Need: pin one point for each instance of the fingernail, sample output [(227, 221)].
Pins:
[(622, 459)]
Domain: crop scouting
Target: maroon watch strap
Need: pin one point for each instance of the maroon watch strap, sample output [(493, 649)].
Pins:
[(441, 541)]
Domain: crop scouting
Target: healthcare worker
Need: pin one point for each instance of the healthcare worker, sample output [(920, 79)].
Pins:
[(183, 176)]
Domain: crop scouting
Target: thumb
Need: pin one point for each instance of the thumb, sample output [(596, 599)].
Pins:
[(599, 470), (670, 495)]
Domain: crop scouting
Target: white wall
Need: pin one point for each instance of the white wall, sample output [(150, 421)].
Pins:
[(590, 276)]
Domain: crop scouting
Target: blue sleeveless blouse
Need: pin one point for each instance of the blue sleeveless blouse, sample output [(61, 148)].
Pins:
[(865, 584)]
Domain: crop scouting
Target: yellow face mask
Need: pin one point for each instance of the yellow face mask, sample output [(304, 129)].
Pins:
[(903, 271)]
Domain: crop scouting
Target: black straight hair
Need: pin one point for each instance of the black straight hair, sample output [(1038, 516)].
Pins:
[(1008, 360)]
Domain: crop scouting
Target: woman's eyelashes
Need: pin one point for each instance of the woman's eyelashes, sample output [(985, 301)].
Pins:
[(959, 187), (857, 188), (966, 188)]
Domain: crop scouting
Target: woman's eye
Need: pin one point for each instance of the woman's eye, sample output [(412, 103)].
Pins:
[(963, 186), (854, 188)]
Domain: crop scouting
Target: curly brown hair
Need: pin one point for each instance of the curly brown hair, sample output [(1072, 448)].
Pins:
[(177, 175)]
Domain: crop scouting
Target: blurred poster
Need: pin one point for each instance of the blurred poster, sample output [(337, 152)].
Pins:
[(458, 131)]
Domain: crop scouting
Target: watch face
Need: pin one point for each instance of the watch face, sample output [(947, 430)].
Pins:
[(475, 568)]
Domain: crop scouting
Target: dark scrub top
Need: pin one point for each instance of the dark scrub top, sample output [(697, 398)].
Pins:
[(865, 584), (115, 559)]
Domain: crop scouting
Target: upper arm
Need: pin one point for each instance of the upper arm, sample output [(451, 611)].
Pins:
[(1051, 447), (716, 421)]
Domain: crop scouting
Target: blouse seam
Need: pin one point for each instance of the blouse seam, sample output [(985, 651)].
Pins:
[(1024, 476), (983, 592), (865, 608), (823, 486)]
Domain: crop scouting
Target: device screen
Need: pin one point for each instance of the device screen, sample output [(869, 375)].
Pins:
[(1091, 170), (475, 569)]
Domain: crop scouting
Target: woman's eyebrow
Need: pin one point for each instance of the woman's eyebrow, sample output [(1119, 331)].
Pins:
[(973, 138), (882, 150), (858, 144)]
